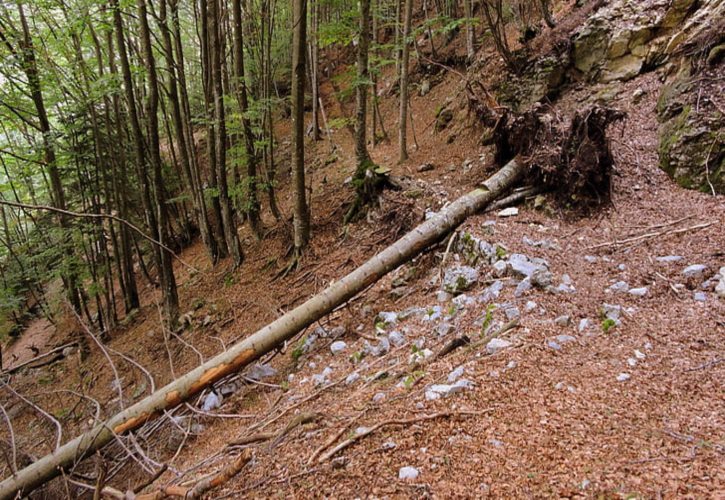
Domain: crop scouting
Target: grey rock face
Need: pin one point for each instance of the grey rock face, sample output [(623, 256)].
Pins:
[(459, 279)]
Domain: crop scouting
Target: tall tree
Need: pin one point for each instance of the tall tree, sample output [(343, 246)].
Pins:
[(30, 67), (403, 122), (164, 259), (299, 43), (252, 206), (216, 52)]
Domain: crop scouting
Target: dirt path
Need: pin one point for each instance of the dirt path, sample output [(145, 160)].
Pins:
[(36, 339)]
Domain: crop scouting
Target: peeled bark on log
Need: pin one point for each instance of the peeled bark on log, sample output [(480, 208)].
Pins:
[(266, 339)]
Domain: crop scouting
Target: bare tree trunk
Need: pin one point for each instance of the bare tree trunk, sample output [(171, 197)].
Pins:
[(252, 206), (402, 134), (70, 280), (361, 88), (301, 209), (470, 30), (314, 71), (264, 340), (165, 262), (216, 50)]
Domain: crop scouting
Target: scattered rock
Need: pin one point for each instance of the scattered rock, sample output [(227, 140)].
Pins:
[(389, 445), (583, 324), (322, 378), (396, 338), (492, 292), (444, 329), (565, 339), (379, 397), (386, 317), (420, 355), (632, 362), (261, 371), (339, 462), (338, 347), (620, 287), (639, 354), (508, 212), (694, 271), (530, 306), (352, 378), (553, 345), (639, 292), (612, 312), (459, 279), (523, 287), (668, 259), (537, 270), (545, 244), (512, 313), (433, 313), (623, 377), (408, 473), (382, 347), (496, 345), (474, 250), (455, 374), (425, 167), (437, 391), (700, 297), (443, 296), (720, 287), (211, 401), (590, 258), (564, 320)]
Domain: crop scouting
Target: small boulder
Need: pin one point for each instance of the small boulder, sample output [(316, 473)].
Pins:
[(459, 279), (408, 473), (694, 271), (623, 377), (338, 346), (496, 345), (261, 371)]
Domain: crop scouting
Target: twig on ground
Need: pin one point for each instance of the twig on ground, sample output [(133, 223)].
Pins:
[(704, 366), (333, 438), (649, 236), (350, 441)]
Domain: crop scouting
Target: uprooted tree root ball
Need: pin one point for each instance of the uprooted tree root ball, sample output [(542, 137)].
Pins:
[(569, 156)]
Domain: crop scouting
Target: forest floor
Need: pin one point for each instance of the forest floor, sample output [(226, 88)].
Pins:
[(566, 407)]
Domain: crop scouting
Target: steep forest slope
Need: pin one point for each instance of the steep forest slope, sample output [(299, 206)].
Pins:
[(557, 350)]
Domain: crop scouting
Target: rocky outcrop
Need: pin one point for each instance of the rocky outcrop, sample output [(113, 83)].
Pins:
[(692, 142), (624, 38)]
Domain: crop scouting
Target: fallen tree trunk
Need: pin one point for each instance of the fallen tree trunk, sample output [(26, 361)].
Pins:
[(266, 339)]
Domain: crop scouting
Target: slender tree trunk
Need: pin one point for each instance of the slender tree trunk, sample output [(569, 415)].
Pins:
[(301, 210), (402, 134), (216, 50), (252, 206), (185, 151), (470, 30), (314, 68), (70, 279), (131, 298), (165, 262), (361, 89)]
